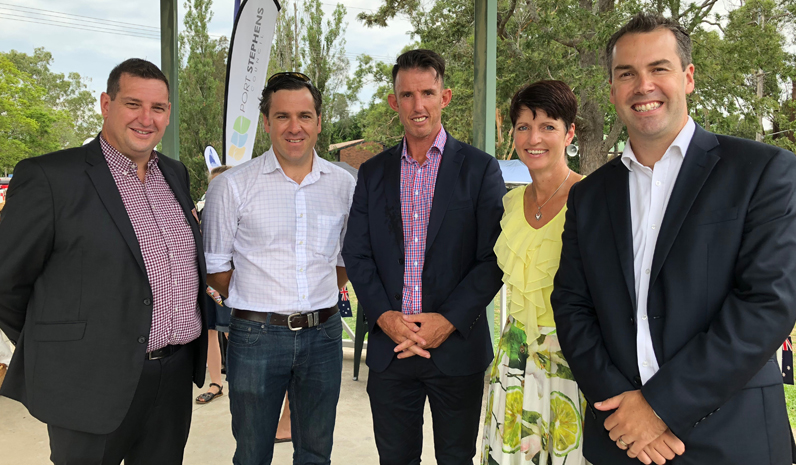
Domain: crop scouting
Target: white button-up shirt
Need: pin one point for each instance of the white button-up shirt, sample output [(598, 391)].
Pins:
[(650, 190), (283, 238)]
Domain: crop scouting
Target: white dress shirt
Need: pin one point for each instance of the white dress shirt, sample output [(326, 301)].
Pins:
[(650, 190), (283, 238)]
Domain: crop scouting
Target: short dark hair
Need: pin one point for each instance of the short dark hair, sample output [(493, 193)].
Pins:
[(420, 59), (287, 82), (553, 97), (645, 22), (135, 67)]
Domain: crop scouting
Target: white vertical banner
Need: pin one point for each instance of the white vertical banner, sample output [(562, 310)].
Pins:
[(247, 65)]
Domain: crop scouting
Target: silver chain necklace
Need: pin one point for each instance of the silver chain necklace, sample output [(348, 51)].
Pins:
[(538, 214)]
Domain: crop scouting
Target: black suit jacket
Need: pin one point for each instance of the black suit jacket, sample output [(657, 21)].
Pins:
[(74, 293), (722, 297), (460, 276)]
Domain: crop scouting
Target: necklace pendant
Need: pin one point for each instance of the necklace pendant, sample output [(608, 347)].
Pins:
[(538, 215)]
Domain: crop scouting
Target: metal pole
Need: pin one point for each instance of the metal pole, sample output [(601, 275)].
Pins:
[(169, 63), (484, 90)]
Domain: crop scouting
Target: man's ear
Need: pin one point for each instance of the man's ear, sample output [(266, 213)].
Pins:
[(447, 95), (105, 101), (393, 101)]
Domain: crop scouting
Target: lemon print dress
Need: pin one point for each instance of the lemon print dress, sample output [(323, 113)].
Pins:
[(534, 409)]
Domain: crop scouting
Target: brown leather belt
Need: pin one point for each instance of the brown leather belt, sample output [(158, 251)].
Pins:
[(295, 321)]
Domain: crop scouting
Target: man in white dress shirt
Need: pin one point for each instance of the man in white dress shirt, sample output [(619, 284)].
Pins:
[(677, 279), (280, 219)]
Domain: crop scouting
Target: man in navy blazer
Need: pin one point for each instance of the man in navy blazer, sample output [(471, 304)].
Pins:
[(418, 250), (677, 280)]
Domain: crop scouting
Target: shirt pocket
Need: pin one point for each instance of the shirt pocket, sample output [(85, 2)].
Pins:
[(327, 234)]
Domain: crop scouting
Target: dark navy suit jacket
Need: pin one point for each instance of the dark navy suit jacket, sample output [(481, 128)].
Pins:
[(460, 276), (722, 298)]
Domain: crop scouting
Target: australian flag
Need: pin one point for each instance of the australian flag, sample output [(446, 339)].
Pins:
[(787, 361), (343, 303)]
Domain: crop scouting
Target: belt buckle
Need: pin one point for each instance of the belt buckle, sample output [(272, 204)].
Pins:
[(290, 322)]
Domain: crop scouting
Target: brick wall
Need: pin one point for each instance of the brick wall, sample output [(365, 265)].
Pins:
[(360, 153)]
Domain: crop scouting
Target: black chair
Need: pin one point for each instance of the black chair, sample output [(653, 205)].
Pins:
[(360, 329)]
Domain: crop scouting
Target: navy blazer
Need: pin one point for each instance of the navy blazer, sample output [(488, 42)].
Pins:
[(74, 292), (460, 276), (722, 298)]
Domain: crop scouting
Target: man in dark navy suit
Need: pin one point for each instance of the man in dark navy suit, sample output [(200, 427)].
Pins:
[(677, 280), (423, 223)]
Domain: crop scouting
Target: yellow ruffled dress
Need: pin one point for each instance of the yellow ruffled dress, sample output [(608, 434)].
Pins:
[(534, 409)]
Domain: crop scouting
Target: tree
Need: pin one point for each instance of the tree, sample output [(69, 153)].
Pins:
[(28, 123), (554, 39), (62, 93), (202, 76)]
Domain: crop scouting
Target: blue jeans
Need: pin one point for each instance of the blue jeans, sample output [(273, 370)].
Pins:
[(265, 360)]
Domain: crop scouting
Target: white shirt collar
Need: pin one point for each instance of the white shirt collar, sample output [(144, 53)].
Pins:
[(680, 143), (319, 165)]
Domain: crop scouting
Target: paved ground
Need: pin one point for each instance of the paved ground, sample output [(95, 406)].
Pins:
[(23, 439)]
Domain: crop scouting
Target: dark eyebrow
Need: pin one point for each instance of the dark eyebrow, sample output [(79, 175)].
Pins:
[(660, 62)]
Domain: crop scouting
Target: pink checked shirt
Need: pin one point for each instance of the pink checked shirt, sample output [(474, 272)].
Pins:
[(417, 194), (167, 245)]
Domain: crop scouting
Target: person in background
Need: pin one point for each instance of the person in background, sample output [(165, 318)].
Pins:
[(534, 408), (217, 323)]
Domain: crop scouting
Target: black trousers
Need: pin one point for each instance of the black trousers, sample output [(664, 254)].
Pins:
[(155, 429), (397, 399)]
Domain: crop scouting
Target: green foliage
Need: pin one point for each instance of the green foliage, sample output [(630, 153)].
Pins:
[(68, 94), (202, 76), (29, 126)]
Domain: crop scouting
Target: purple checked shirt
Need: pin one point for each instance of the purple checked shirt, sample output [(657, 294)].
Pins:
[(167, 246), (417, 194)]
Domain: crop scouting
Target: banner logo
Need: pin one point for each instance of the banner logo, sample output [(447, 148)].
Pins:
[(237, 147)]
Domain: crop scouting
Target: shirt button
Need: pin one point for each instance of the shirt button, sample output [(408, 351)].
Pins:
[(645, 364), (415, 262), (415, 192), (657, 183), (301, 270), (303, 296), (653, 226), (415, 239), (415, 215), (415, 287), (644, 317), (647, 271), (301, 242), (301, 215)]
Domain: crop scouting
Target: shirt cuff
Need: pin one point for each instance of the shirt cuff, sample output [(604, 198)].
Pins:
[(218, 263)]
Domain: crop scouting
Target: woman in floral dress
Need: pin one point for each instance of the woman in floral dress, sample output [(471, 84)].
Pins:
[(534, 410)]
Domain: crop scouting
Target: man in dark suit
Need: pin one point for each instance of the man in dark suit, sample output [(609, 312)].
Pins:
[(101, 286), (677, 280), (418, 250)]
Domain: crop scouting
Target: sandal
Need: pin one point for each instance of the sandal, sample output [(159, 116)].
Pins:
[(208, 396)]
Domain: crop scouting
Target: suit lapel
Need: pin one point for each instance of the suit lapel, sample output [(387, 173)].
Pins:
[(449, 167), (617, 193), (103, 181), (392, 181), (181, 193), (697, 166)]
